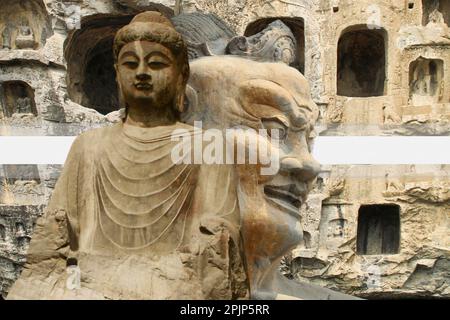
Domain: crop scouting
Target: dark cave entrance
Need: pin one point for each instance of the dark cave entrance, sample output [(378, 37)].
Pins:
[(378, 229), (361, 64)]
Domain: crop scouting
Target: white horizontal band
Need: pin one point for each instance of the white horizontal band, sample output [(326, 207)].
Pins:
[(327, 150)]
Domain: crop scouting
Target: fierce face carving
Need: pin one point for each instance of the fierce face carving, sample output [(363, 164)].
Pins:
[(227, 92)]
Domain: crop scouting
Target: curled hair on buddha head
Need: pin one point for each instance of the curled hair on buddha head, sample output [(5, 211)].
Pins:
[(155, 27)]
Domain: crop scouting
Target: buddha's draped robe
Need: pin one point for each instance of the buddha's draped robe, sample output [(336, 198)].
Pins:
[(137, 224)]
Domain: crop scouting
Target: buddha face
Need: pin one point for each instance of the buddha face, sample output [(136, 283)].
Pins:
[(148, 74), (226, 92)]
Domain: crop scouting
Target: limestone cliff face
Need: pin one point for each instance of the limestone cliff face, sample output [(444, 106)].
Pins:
[(53, 52), (347, 245)]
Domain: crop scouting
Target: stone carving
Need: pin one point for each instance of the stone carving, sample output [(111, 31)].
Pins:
[(426, 81), (435, 17), (407, 37), (6, 37), (274, 43), (336, 228), (335, 111), (17, 98), (25, 38), (336, 186), (265, 95), (393, 186), (24, 105), (24, 24), (204, 34), (72, 16), (389, 115), (121, 203), (433, 193)]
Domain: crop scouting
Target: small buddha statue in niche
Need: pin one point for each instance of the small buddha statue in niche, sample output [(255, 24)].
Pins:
[(6, 37), (136, 224), (25, 37), (24, 105)]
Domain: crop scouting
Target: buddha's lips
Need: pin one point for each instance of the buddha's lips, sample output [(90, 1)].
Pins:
[(143, 86), (289, 195)]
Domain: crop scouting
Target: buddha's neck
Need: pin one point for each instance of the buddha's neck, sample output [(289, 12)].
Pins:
[(150, 117)]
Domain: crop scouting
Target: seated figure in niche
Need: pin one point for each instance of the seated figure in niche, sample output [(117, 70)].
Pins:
[(25, 37), (435, 17), (136, 224), (6, 37), (24, 105)]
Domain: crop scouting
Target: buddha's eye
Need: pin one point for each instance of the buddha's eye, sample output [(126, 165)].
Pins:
[(276, 128), (130, 64), (157, 64)]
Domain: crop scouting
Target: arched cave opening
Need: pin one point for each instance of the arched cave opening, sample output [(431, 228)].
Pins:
[(426, 80), (17, 97), (24, 24), (361, 62), (91, 78)]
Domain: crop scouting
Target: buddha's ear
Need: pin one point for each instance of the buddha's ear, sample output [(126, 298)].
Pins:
[(180, 95), (191, 110), (122, 103)]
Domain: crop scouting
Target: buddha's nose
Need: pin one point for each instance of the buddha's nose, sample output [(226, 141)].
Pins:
[(143, 76), (143, 72), (304, 168)]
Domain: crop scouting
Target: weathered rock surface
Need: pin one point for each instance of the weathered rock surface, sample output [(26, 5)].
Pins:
[(332, 222)]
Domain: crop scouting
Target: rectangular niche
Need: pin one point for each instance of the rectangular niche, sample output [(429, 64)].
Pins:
[(361, 62), (378, 229), (15, 173), (426, 81)]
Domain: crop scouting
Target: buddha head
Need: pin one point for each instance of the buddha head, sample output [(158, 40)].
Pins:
[(151, 63), (226, 92)]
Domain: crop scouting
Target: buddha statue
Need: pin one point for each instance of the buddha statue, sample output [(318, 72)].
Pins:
[(133, 223)]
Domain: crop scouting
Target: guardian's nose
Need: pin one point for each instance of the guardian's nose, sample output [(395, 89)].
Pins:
[(305, 168)]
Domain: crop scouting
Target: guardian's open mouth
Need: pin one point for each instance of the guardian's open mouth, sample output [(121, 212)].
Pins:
[(284, 195)]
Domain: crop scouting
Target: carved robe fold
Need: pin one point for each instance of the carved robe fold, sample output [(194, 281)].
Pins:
[(137, 225)]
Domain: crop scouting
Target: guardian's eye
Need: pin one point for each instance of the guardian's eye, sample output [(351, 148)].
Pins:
[(276, 129)]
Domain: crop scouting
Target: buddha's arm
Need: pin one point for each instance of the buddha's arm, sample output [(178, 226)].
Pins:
[(56, 232)]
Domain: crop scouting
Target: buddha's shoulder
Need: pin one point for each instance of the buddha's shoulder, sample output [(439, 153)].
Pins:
[(91, 138)]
